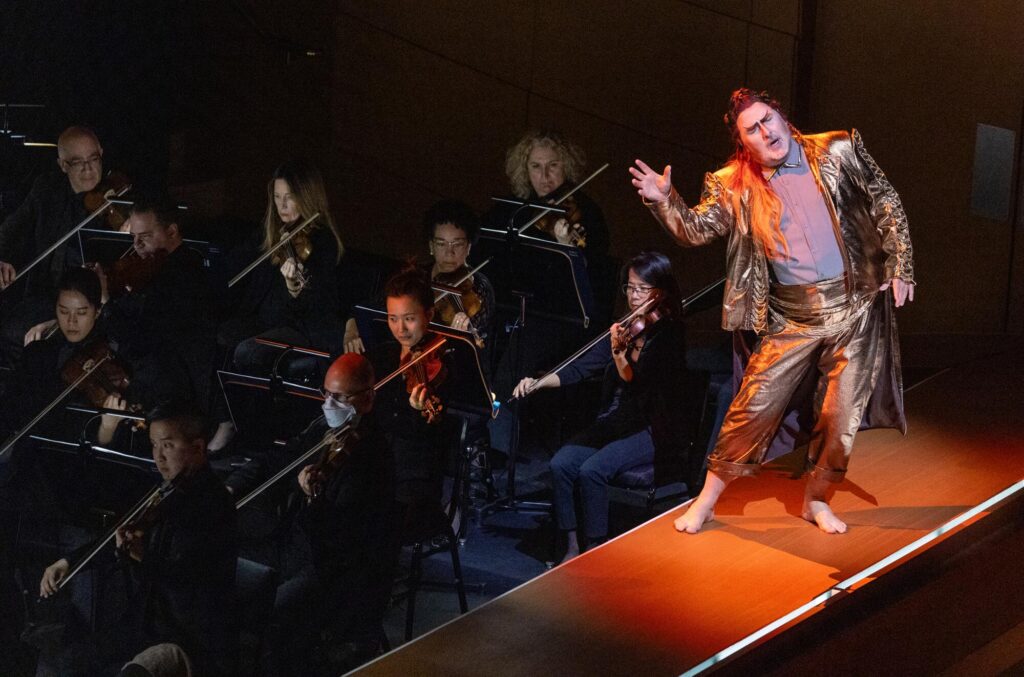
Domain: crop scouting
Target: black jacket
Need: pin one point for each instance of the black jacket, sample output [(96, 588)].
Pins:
[(187, 573), (49, 211), (315, 312), (662, 395), (417, 445), (166, 330), (349, 521)]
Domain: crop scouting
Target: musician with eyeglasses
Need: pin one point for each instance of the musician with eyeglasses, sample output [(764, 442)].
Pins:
[(342, 544), (450, 228), (54, 205), (646, 410)]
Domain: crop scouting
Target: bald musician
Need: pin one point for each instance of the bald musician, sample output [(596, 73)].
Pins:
[(54, 205)]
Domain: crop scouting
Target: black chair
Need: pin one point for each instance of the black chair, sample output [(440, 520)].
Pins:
[(255, 590), (434, 531), (638, 482)]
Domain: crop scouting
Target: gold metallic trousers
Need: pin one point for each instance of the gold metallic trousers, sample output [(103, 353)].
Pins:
[(813, 326)]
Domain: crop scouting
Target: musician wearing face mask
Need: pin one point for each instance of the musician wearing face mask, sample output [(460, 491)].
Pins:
[(53, 207), (338, 569), (181, 554)]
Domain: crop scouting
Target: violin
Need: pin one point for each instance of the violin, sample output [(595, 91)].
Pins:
[(110, 377), (636, 327), (298, 248), (151, 510), (109, 186), (629, 320), (139, 518), (91, 369), (334, 455), (573, 214), (132, 272), (430, 372), (463, 299)]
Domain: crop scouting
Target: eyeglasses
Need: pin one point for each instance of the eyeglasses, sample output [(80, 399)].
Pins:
[(643, 290), (80, 165), (451, 245), (344, 398)]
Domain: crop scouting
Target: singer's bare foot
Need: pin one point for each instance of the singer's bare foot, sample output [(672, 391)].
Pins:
[(818, 512), (699, 513)]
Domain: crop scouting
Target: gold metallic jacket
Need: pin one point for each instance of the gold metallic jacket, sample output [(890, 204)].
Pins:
[(867, 215)]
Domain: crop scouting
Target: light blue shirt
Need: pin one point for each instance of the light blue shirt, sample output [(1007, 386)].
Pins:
[(806, 225)]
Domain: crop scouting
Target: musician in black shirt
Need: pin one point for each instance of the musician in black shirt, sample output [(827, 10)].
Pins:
[(53, 206), (182, 556)]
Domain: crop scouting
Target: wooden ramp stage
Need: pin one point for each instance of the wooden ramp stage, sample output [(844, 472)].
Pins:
[(656, 602)]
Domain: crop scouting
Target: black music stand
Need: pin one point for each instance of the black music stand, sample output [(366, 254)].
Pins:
[(536, 266), (95, 451), (287, 401), (106, 246), (528, 269)]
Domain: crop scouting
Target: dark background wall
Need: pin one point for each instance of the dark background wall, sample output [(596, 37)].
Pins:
[(405, 102)]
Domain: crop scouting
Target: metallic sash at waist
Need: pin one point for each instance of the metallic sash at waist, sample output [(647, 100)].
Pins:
[(819, 304)]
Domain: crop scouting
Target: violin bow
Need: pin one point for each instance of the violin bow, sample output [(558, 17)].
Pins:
[(161, 490), (562, 199), (267, 254), (46, 410), (71, 233), (624, 322)]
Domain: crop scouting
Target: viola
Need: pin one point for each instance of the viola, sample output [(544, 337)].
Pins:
[(109, 378), (430, 372), (111, 184), (152, 510)]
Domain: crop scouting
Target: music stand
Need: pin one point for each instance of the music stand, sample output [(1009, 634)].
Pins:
[(98, 451), (106, 246), (290, 401), (537, 266), (528, 269)]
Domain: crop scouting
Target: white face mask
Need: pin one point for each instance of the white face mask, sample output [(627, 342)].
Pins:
[(338, 413)]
